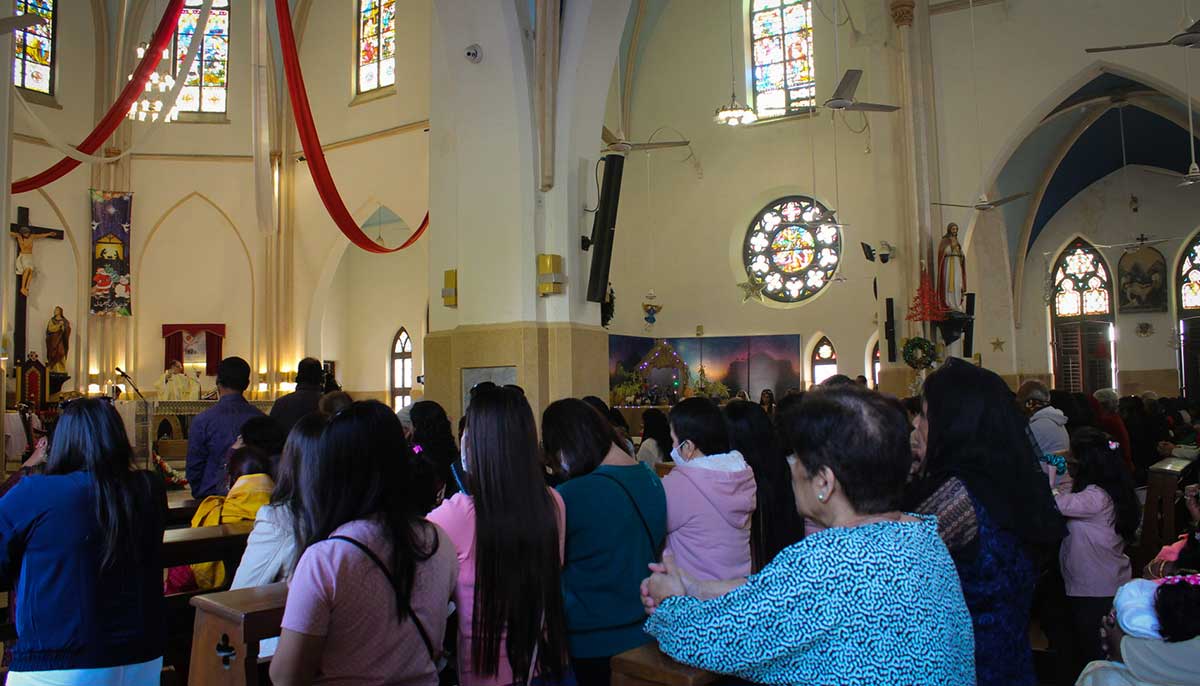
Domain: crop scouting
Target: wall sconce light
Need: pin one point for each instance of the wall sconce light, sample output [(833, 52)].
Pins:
[(93, 389), (550, 276), (287, 387), (450, 288)]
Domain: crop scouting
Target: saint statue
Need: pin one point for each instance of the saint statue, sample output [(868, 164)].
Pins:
[(175, 384), (58, 342), (952, 270)]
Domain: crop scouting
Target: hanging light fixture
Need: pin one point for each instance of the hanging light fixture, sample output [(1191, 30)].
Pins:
[(151, 106), (734, 113)]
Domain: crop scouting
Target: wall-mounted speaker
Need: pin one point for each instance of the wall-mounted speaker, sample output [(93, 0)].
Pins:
[(889, 329), (969, 332)]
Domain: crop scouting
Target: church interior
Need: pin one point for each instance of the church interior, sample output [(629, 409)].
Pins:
[(644, 201)]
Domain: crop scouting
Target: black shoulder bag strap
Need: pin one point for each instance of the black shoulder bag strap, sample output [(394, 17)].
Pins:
[(655, 548), (391, 581)]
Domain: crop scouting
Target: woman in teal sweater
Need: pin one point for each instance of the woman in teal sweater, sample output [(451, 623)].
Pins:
[(616, 524)]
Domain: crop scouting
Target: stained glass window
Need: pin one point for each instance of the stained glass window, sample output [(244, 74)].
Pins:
[(876, 364), (1189, 277), (35, 48), (208, 81), (376, 44), (824, 361), (1082, 287), (792, 249), (781, 49), (402, 370)]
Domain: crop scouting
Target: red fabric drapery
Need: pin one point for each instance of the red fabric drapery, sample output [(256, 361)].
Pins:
[(311, 142), (214, 338), (106, 127)]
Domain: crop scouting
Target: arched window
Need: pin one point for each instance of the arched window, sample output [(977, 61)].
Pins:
[(789, 251), (402, 370), (1082, 309), (376, 44), (207, 83), (781, 34), (824, 361), (36, 48), (1188, 309), (876, 364)]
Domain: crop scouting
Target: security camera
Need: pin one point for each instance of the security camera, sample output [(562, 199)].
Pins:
[(885, 251), (474, 53)]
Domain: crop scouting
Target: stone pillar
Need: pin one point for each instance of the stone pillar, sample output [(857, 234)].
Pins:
[(7, 295), (489, 219)]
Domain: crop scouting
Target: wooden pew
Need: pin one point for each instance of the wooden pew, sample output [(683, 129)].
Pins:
[(663, 468), (648, 666), (225, 543), (181, 506), (1159, 527), (229, 627)]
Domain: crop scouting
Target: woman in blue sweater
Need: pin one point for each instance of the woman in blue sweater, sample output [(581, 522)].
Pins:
[(82, 544), (616, 523), (872, 599)]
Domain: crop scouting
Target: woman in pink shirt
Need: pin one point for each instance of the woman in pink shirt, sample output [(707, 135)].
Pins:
[(368, 600), (507, 528), (1102, 514)]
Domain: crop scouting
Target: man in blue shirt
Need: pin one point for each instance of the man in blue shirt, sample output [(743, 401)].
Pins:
[(214, 430)]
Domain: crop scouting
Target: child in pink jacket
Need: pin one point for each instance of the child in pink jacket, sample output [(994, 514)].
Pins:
[(710, 495)]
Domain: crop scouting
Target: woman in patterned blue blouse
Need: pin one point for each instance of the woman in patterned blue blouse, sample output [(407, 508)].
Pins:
[(872, 599)]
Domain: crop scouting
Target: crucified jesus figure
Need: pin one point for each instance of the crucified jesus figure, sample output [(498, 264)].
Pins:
[(25, 266)]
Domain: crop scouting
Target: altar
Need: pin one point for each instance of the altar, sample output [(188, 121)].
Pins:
[(159, 427)]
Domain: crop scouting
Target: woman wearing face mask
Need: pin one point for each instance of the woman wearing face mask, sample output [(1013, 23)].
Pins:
[(616, 523), (711, 495)]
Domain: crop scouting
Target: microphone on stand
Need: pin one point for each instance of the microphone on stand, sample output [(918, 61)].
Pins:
[(121, 372)]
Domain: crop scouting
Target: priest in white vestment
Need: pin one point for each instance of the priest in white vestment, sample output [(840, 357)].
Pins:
[(175, 384)]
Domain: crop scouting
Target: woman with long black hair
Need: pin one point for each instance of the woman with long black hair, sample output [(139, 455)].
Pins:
[(776, 523), (85, 539), (433, 442), (656, 438), (367, 603), (980, 476), (616, 524), (507, 528)]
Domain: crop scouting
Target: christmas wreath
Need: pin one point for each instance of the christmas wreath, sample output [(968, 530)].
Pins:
[(919, 353)]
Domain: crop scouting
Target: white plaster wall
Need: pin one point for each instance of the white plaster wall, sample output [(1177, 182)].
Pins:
[(680, 232), (376, 295), (1101, 215)]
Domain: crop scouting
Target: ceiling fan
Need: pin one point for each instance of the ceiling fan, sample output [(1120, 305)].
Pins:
[(982, 204), (1193, 173), (1141, 241), (1189, 38), (620, 145), (20, 22), (843, 96)]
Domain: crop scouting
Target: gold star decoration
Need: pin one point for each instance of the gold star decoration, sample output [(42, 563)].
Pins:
[(997, 345), (751, 290)]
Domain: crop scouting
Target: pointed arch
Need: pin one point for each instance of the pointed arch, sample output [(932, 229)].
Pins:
[(1081, 310), (822, 363), (1187, 309), (400, 371)]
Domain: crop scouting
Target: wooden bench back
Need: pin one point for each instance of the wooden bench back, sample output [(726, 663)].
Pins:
[(1158, 522), (229, 627), (648, 666)]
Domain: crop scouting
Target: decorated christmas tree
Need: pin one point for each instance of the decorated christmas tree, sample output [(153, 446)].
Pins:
[(927, 305)]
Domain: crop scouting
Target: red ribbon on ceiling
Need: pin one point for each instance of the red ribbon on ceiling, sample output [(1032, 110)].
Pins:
[(133, 89), (311, 143)]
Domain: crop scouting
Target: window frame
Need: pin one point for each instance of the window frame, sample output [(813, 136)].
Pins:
[(359, 95), (1079, 327), (1188, 354), (749, 253), (200, 116), (49, 97), (814, 362), (751, 84), (395, 387)]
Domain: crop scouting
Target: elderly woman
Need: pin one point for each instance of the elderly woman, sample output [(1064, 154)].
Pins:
[(873, 598), (1108, 416)]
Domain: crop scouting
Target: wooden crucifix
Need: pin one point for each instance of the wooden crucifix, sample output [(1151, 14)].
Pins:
[(25, 234)]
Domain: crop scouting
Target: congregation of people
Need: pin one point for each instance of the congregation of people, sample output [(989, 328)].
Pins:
[(837, 536)]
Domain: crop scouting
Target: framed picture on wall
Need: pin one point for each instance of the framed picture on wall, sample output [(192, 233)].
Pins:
[(1142, 281)]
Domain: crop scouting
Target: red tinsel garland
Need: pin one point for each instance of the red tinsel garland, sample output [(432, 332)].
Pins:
[(106, 127), (311, 142), (927, 304)]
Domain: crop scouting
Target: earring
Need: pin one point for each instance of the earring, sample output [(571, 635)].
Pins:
[(821, 497)]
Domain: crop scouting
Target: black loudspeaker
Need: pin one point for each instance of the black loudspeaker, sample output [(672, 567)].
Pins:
[(604, 227), (889, 329), (969, 332)]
